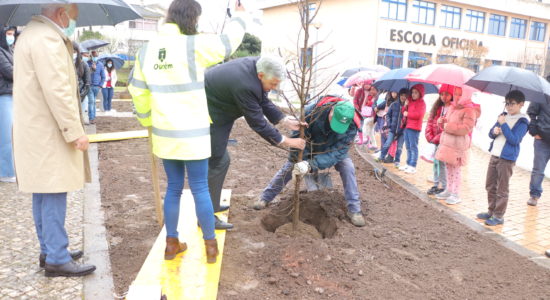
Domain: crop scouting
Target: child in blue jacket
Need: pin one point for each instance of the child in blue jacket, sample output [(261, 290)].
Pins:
[(507, 134)]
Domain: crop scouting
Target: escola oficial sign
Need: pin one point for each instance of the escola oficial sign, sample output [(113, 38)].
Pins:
[(429, 40)]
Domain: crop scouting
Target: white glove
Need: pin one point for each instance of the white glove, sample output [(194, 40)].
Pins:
[(301, 168)]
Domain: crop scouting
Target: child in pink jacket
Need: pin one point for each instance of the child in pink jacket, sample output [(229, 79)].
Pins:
[(455, 142)]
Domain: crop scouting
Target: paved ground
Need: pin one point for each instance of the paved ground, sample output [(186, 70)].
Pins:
[(525, 225)]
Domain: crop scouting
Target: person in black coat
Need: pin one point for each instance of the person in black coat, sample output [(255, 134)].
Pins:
[(236, 89), (7, 41), (84, 79)]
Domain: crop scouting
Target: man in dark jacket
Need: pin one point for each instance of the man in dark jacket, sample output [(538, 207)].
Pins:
[(332, 127), (540, 129), (235, 89), (97, 74)]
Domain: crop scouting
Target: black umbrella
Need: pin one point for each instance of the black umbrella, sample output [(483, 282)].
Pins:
[(500, 80), (93, 44)]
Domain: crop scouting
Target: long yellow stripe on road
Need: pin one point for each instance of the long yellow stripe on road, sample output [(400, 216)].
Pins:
[(187, 276), (117, 136)]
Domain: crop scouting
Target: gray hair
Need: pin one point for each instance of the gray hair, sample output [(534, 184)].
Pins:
[(271, 66)]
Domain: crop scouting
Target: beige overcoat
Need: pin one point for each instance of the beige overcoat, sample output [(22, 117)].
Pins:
[(46, 112)]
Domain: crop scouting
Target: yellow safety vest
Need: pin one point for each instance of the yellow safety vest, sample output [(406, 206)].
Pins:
[(167, 87)]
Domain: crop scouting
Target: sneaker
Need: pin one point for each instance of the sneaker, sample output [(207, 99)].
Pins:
[(356, 219), (494, 221), (484, 216), (7, 179), (443, 195), (403, 168), (260, 204), (378, 160), (532, 201), (410, 170), (396, 165), (439, 191), (453, 199), (433, 190), (388, 160)]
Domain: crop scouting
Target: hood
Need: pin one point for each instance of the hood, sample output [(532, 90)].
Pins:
[(466, 102), (418, 87), (447, 88)]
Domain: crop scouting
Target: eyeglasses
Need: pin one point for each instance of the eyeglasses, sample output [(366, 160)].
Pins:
[(509, 103)]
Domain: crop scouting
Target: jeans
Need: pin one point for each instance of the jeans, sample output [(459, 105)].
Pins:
[(197, 174), (440, 174), (219, 161), (49, 211), (411, 140), (542, 155), (92, 95), (347, 173), (6, 122), (107, 98)]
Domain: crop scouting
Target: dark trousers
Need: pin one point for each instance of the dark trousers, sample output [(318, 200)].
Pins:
[(497, 183), (218, 164)]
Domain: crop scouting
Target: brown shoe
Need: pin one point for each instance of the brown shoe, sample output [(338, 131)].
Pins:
[(211, 250), (173, 247)]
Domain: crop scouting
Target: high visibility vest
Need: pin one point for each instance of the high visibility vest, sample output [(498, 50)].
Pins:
[(167, 87)]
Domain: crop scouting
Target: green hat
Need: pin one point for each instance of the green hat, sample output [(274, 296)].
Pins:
[(342, 116)]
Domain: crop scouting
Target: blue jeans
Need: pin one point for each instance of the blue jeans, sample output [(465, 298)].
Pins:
[(411, 140), (6, 122), (49, 211), (347, 173), (107, 98), (542, 155), (92, 95), (197, 174), (440, 174)]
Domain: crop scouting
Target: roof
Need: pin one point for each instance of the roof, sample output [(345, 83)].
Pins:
[(146, 13)]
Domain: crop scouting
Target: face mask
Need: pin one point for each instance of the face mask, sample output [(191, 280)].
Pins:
[(94, 59), (72, 26), (10, 39), (110, 65), (85, 59)]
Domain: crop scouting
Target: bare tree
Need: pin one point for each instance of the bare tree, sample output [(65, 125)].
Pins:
[(464, 55)]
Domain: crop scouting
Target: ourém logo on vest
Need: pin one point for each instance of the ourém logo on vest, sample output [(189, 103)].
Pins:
[(162, 57)]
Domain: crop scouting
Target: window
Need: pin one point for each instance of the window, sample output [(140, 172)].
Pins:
[(538, 31), (446, 59), (533, 67), (473, 64), (450, 16), (394, 9), (311, 7), (495, 62), (423, 12), (309, 56), (475, 20), (390, 58), (419, 59), (497, 24), (517, 28), (143, 24), (513, 64)]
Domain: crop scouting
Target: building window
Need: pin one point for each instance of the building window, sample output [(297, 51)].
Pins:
[(517, 28), (394, 9), (495, 62), (423, 12), (143, 24), (475, 20), (390, 58), (473, 64), (538, 31), (450, 16), (419, 59), (533, 67), (513, 64), (309, 56), (446, 59), (497, 24)]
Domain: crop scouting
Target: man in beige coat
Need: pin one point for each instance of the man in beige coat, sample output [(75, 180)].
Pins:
[(48, 137)]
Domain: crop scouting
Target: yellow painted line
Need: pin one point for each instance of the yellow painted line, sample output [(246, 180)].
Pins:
[(116, 136), (188, 276)]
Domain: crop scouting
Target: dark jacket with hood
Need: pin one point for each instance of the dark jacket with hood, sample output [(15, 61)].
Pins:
[(233, 90), (540, 120), (6, 65)]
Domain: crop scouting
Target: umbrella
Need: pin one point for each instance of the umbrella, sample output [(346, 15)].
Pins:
[(376, 68), (92, 12), (361, 77), (342, 81), (93, 44), (117, 61), (441, 73), (500, 80), (394, 81)]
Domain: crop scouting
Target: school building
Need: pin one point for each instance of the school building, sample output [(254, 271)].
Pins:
[(412, 33)]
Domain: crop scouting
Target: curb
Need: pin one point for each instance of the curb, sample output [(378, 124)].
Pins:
[(533, 256), (99, 285)]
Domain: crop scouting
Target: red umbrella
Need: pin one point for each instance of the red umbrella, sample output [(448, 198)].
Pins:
[(362, 77), (441, 73)]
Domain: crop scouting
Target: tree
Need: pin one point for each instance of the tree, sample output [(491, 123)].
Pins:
[(466, 55), (89, 34), (251, 46)]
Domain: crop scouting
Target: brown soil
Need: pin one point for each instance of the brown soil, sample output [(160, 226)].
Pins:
[(408, 250)]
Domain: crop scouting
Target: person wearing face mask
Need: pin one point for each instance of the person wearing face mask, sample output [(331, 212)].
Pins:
[(7, 40), (83, 76), (108, 87), (98, 78), (49, 141)]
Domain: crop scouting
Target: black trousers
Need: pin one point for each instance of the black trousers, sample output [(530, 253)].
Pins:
[(218, 164)]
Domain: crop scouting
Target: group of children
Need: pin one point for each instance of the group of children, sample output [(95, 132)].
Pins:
[(398, 117)]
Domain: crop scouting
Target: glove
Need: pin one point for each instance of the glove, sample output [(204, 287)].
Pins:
[(301, 168)]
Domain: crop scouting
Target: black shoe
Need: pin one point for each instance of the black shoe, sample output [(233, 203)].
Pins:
[(388, 160), (70, 269), (433, 190), (222, 224), (223, 208), (75, 254)]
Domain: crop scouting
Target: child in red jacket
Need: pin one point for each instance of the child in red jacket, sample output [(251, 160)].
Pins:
[(415, 110), (433, 134)]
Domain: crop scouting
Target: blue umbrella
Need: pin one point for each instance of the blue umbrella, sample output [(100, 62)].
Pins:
[(500, 80), (394, 81), (117, 61), (342, 81), (91, 12)]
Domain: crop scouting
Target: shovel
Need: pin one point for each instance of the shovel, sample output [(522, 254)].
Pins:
[(318, 181)]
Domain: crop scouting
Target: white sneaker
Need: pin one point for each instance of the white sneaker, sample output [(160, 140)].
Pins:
[(403, 167), (443, 195), (410, 170), (7, 179), (453, 199)]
